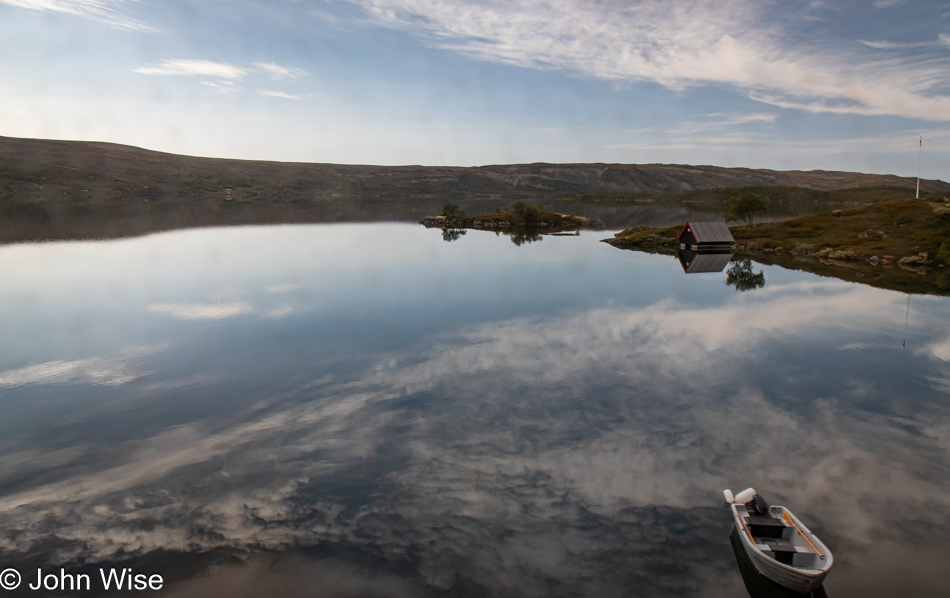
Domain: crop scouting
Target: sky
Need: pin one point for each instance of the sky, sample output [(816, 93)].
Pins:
[(844, 85)]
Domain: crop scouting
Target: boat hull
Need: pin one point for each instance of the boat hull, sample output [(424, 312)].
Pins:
[(803, 581)]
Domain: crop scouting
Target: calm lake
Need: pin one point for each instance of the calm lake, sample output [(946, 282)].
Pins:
[(369, 410)]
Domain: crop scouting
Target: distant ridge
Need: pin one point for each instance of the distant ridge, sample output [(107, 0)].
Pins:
[(40, 167)]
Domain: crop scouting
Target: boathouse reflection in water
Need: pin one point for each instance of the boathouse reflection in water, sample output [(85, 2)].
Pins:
[(695, 262)]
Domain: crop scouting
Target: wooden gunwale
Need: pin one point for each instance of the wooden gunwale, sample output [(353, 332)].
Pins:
[(789, 519), (742, 519)]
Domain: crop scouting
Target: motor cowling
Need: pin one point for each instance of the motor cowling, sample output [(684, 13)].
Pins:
[(759, 505), (745, 496)]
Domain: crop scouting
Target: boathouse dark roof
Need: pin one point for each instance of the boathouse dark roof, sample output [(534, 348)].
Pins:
[(706, 232)]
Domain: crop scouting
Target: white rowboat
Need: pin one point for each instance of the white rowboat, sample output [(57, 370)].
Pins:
[(780, 546)]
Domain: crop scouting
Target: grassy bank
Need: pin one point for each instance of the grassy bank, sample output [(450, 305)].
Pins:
[(780, 196), (898, 244), (895, 229)]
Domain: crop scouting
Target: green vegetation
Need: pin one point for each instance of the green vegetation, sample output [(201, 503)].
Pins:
[(746, 206), (943, 253), (523, 222), (783, 200), (528, 212), (452, 211), (899, 229), (646, 237), (520, 216)]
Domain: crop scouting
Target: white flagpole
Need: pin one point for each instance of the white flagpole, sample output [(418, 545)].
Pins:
[(920, 147)]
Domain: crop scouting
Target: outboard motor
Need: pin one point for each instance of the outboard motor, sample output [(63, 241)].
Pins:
[(745, 496), (759, 506), (752, 500)]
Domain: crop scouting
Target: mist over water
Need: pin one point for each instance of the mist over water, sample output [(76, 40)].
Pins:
[(366, 409)]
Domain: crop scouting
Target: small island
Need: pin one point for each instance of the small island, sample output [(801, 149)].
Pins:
[(519, 217)]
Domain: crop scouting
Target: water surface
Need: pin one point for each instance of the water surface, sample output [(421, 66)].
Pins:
[(365, 409)]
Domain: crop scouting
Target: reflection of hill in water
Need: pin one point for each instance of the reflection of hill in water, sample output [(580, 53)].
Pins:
[(44, 222)]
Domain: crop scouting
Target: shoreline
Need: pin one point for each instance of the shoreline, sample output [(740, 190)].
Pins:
[(902, 245)]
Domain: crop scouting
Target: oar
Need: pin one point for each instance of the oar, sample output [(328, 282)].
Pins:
[(742, 519), (815, 548)]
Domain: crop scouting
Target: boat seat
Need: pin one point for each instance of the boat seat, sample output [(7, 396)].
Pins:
[(765, 527), (783, 553)]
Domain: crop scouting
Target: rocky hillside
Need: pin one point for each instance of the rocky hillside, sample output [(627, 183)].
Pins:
[(40, 170)]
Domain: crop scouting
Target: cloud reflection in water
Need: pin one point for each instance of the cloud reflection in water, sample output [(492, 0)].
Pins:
[(578, 452)]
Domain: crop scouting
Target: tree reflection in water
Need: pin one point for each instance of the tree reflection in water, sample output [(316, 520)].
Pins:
[(741, 276), (524, 237), (452, 234)]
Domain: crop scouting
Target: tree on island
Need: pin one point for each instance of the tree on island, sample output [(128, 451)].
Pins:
[(528, 212), (452, 211), (741, 276), (746, 205)]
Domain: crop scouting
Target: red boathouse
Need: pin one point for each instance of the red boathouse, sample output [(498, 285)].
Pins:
[(705, 234)]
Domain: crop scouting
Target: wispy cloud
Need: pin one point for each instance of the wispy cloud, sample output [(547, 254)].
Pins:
[(940, 349), (739, 118), (281, 311), (202, 311), (677, 45), (91, 371), (682, 140), (717, 129), (107, 371), (280, 94), (221, 70), (934, 140), (109, 12), (225, 75), (277, 71), (723, 122), (190, 68), (221, 86), (283, 288), (884, 45)]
